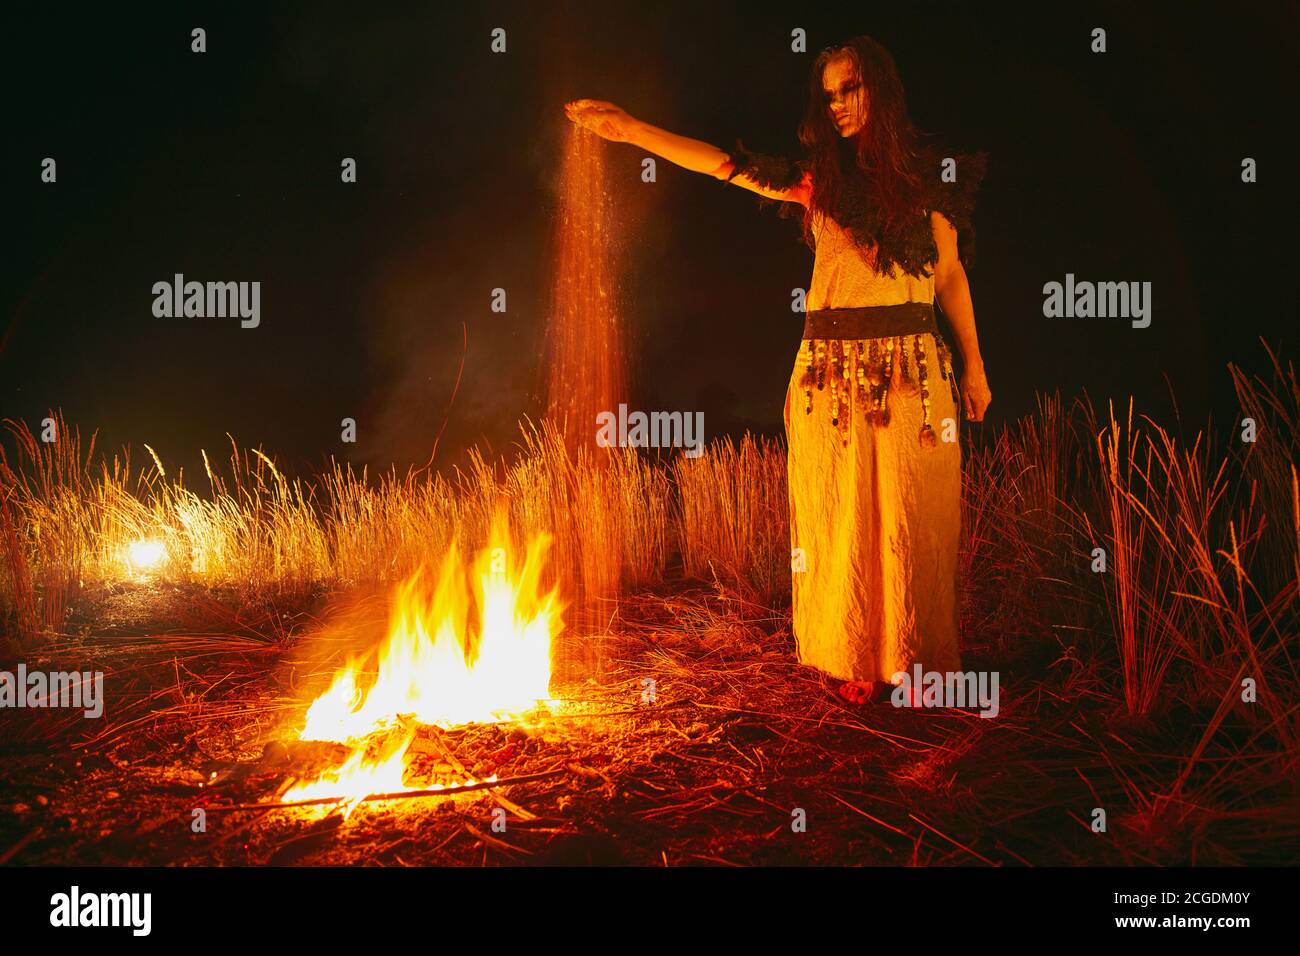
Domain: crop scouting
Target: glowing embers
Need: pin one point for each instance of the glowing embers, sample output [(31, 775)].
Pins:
[(472, 645)]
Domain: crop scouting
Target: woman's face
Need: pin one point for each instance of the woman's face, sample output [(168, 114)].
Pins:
[(846, 98)]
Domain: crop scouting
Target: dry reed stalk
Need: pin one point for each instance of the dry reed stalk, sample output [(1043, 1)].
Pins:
[(732, 515)]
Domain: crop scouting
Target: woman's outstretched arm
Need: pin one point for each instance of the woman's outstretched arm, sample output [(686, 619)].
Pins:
[(615, 124)]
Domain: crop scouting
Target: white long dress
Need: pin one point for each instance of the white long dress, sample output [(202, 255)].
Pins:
[(874, 522)]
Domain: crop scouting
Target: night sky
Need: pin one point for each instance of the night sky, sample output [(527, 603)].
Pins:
[(1123, 166)]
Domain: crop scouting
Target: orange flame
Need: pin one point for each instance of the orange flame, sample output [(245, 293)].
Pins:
[(461, 651)]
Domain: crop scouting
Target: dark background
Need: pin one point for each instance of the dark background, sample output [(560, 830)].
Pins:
[(225, 166)]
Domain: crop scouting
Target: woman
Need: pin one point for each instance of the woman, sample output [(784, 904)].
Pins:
[(874, 464)]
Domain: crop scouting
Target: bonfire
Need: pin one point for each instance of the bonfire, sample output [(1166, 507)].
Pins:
[(471, 644)]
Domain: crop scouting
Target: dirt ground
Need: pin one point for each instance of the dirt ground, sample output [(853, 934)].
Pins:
[(740, 756)]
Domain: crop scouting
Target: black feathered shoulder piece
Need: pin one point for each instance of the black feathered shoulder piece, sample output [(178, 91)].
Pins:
[(949, 184), (770, 172), (952, 182)]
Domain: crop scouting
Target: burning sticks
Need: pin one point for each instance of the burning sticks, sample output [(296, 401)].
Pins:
[(472, 644), (435, 791)]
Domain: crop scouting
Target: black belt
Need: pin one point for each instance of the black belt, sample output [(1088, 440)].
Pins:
[(870, 322)]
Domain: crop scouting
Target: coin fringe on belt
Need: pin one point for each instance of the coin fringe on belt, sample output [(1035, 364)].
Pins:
[(855, 350)]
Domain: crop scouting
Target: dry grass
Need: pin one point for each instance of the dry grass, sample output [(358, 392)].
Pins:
[(1148, 667), (733, 518), (68, 523)]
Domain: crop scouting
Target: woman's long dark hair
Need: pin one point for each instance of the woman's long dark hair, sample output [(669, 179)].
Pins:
[(882, 157)]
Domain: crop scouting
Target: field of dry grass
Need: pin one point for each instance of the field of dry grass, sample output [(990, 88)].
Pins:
[(1165, 688)]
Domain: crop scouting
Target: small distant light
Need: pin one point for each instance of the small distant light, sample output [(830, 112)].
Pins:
[(146, 554)]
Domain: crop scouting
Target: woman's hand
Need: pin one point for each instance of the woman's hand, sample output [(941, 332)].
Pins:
[(604, 119), (975, 394)]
